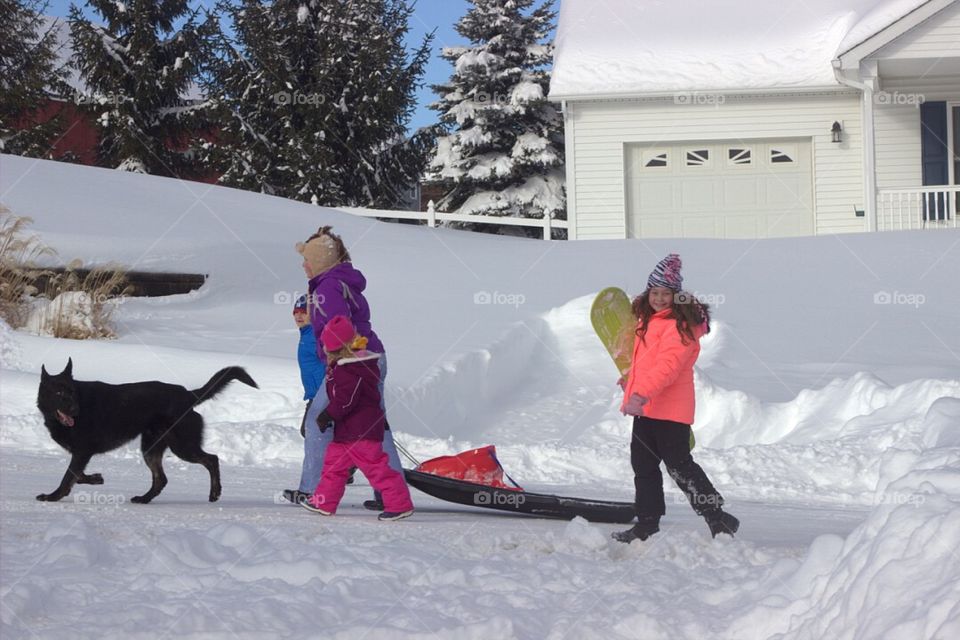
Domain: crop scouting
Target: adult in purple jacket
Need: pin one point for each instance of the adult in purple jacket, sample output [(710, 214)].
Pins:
[(335, 288)]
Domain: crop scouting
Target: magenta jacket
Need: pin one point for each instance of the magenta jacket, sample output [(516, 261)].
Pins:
[(354, 395)]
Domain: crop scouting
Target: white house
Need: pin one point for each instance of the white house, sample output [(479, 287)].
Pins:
[(752, 118)]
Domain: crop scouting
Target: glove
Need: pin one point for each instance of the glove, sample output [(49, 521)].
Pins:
[(324, 421), (634, 405)]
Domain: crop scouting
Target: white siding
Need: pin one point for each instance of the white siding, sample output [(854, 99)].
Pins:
[(897, 137), (938, 37), (602, 128)]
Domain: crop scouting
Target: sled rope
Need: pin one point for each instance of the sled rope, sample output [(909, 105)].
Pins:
[(404, 451)]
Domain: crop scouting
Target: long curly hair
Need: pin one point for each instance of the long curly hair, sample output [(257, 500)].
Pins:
[(688, 311), (342, 253)]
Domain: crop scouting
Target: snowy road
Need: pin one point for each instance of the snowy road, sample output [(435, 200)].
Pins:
[(95, 565)]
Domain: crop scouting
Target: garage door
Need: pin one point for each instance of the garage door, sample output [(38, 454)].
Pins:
[(733, 189)]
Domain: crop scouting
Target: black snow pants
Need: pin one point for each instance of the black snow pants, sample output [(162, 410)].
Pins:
[(664, 440)]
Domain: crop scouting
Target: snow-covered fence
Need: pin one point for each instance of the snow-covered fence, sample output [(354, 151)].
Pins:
[(930, 207), (431, 216)]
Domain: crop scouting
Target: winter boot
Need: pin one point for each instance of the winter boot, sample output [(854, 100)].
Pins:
[(353, 470), (376, 504), (390, 515), (720, 521), (295, 495), (309, 506), (640, 531)]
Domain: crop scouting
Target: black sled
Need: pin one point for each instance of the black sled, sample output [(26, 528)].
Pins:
[(433, 477)]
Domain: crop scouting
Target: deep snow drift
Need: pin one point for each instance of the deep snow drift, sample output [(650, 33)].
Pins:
[(828, 405)]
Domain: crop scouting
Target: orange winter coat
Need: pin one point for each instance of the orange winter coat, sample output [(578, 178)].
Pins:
[(662, 370)]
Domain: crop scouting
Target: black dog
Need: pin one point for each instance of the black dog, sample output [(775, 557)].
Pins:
[(87, 418)]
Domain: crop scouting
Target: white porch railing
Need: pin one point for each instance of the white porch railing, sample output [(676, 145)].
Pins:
[(932, 207), (432, 217)]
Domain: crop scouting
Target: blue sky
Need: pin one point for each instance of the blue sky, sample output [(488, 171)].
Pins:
[(428, 15)]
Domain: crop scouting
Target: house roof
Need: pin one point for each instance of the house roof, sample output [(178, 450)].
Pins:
[(632, 47)]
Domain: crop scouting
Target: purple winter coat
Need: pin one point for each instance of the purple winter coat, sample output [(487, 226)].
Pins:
[(354, 394), (339, 292)]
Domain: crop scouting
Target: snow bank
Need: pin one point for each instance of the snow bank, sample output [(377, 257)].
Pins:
[(895, 576)]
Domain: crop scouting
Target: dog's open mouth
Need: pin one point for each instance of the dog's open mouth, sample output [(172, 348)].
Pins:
[(64, 419)]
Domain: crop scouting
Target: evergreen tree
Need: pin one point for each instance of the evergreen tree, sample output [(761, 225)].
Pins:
[(139, 71), (29, 76), (314, 97), (501, 148)]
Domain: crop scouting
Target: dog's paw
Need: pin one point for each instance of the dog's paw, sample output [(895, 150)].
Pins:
[(48, 497), (140, 499), (93, 478), (214, 496)]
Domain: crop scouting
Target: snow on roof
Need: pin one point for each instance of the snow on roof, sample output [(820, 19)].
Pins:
[(659, 46), (879, 18)]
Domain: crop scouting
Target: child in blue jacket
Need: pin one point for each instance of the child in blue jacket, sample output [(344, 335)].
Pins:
[(313, 371)]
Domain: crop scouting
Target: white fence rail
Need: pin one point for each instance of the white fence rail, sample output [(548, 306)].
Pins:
[(932, 207), (432, 217)]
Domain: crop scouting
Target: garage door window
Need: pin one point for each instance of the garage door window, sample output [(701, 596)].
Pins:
[(739, 156), (698, 157), (654, 159), (782, 155)]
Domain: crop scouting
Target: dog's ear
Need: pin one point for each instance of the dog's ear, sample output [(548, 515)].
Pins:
[(43, 372), (69, 370)]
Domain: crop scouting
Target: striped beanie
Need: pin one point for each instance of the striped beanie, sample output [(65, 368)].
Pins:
[(667, 274)]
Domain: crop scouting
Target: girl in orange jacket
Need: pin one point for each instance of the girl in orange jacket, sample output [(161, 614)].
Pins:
[(659, 394)]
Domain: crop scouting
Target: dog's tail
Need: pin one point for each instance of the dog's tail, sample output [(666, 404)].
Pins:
[(219, 381)]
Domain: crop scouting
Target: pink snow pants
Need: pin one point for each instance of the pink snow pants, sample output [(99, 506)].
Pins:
[(368, 456)]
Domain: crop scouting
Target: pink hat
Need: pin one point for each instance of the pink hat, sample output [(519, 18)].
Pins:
[(337, 333)]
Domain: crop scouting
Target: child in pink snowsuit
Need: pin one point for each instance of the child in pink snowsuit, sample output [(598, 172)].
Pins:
[(352, 384)]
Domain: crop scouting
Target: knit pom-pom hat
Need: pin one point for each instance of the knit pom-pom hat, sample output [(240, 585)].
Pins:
[(337, 334), (667, 274), (300, 304)]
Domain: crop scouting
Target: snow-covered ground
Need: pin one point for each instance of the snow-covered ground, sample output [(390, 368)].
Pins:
[(828, 415)]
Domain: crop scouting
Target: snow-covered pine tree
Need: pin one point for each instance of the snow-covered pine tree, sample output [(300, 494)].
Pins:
[(29, 77), (314, 97), (139, 71), (501, 153)]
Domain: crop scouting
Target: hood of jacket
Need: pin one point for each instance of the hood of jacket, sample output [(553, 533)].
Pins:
[(346, 273)]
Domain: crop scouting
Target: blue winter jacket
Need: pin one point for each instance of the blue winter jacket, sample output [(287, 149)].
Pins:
[(313, 369)]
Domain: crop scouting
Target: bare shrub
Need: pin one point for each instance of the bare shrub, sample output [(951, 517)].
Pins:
[(18, 270), (81, 302)]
